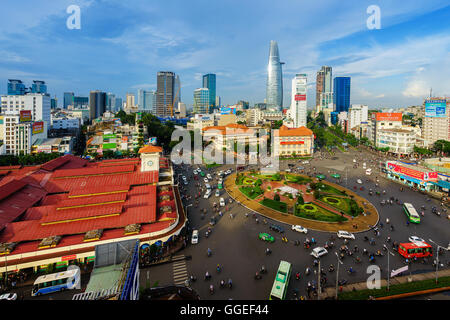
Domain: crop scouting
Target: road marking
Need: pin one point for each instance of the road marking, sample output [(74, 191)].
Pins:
[(179, 270)]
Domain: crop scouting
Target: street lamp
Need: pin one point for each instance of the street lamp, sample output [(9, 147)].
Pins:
[(389, 271), (337, 272), (437, 257)]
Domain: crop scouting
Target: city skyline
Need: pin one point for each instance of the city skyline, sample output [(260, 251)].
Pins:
[(384, 72)]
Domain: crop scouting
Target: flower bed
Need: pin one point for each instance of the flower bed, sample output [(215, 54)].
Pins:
[(313, 212), (276, 205)]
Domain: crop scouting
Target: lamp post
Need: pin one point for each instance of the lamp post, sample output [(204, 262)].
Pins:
[(389, 271), (437, 257), (337, 273), (318, 282)]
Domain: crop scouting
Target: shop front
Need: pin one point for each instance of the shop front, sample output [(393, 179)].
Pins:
[(418, 178)]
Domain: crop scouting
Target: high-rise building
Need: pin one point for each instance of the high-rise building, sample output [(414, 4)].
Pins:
[(110, 101), (243, 105), (209, 81), (341, 93), (68, 99), (80, 102), (298, 100), (436, 120), (146, 100), (165, 83), (53, 103), (16, 87), (38, 87), (201, 100), (130, 105), (274, 90), (118, 104), (261, 106), (324, 88), (97, 104), (218, 102)]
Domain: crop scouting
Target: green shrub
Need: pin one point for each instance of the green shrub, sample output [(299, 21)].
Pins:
[(276, 197)]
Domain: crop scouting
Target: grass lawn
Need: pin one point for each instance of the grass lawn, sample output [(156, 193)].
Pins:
[(273, 177), (316, 213), (395, 289), (342, 204), (322, 187), (250, 192), (297, 179), (276, 205)]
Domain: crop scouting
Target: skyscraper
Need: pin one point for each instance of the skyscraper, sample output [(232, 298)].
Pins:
[(341, 94), (209, 81), (146, 100), (16, 87), (97, 104), (68, 99), (201, 100), (298, 101), (323, 86), (274, 91), (38, 87), (165, 83)]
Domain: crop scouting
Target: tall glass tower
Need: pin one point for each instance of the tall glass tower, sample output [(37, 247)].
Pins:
[(274, 91), (209, 81), (341, 93)]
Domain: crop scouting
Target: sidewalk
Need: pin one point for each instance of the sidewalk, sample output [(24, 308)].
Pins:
[(330, 292)]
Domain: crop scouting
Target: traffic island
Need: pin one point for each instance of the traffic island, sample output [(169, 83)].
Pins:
[(298, 199)]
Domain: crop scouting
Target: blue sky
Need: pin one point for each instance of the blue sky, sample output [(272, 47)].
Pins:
[(122, 44)]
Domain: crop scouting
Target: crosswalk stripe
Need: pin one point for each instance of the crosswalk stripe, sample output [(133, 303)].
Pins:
[(179, 256), (182, 263), (181, 276), (179, 267)]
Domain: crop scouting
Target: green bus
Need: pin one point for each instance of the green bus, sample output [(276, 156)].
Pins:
[(281, 282), (411, 213)]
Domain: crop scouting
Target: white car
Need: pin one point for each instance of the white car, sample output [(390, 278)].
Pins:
[(194, 239), (354, 160), (8, 296), (415, 239), (305, 162), (206, 180), (183, 177), (208, 187), (300, 229), (359, 181), (217, 193), (209, 176), (195, 172), (345, 235), (222, 202), (318, 252), (228, 172), (207, 194)]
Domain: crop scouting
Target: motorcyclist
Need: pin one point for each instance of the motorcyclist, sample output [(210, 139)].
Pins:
[(268, 251), (331, 268), (209, 251), (230, 283), (207, 275), (307, 271), (218, 267), (263, 269), (211, 288), (222, 283)]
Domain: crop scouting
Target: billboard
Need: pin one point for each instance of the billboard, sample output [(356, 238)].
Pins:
[(38, 127), (436, 108), (25, 116), (300, 97), (152, 141), (425, 176), (227, 110), (388, 116)]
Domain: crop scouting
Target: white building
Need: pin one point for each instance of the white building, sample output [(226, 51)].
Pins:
[(356, 114), (66, 123), (39, 105), (436, 120), (254, 116), (399, 140), (298, 110)]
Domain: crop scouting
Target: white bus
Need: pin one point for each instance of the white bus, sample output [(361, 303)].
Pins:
[(411, 213), (54, 282)]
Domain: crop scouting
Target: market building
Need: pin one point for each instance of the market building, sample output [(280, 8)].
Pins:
[(55, 214), (411, 175)]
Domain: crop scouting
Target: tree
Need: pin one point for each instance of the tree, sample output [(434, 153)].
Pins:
[(300, 199), (276, 197), (277, 124)]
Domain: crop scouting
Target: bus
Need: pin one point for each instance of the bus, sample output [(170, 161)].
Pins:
[(411, 213), (415, 249), (281, 282), (54, 282)]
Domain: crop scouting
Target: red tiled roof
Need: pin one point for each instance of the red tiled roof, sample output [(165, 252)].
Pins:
[(10, 167), (289, 132), (55, 163), (92, 171), (11, 187), (94, 191), (52, 215), (150, 149)]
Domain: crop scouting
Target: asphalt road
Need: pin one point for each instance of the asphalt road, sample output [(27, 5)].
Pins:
[(236, 247)]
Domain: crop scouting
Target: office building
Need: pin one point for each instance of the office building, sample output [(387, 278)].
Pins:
[(146, 100), (218, 102), (16, 87), (294, 141), (201, 100), (68, 99), (38, 87), (436, 120), (165, 83), (274, 89), (97, 104), (131, 106), (341, 89), (356, 114), (323, 84), (80, 102), (298, 110), (209, 81), (119, 104)]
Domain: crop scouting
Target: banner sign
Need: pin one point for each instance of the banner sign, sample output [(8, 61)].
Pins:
[(25, 116), (67, 258), (435, 108), (388, 116), (38, 127), (300, 97), (426, 176)]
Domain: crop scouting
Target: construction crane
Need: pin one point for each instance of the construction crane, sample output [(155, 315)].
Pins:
[(175, 99)]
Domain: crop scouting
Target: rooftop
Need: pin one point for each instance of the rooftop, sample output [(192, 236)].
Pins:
[(289, 132)]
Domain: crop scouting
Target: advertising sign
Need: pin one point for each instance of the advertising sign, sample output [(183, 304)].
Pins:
[(67, 258), (435, 108), (425, 176), (38, 127), (388, 116), (152, 141), (25, 116), (300, 97)]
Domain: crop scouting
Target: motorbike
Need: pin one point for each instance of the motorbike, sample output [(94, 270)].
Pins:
[(268, 251), (230, 284), (258, 276), (211, 289), (263, 270), (297, 276), (307, 271), (351, 271), (222, 283)]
